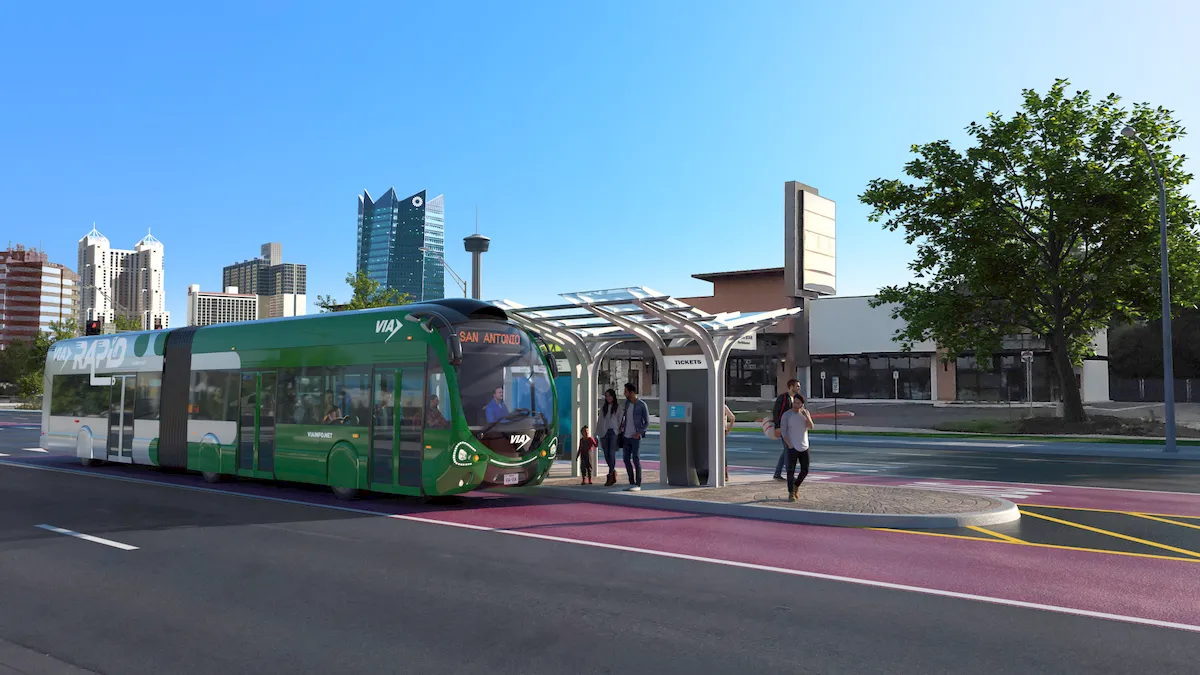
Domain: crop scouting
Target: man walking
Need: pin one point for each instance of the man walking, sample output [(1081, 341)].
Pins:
[(783, 404), (796, 423), (635, 419)]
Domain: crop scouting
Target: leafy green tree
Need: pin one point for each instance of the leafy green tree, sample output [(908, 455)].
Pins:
[(367, 293), (29, 387), (125, 324), (1047, 224), (15, 361), (25, 364)]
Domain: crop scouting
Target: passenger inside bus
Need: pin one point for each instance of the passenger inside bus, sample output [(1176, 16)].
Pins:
[(333, 414), (304, 411), (434, 419)]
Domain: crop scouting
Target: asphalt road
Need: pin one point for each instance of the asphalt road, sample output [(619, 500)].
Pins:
[(223, 583), (937, 458), (226, 584), (928, 458)]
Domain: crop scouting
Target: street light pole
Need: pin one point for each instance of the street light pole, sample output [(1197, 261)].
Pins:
[(1168, 360), (457, 279)]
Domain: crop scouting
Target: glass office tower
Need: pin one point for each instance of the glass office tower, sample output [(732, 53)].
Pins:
[(401, 243)]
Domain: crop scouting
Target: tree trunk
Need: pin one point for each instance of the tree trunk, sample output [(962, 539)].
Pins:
[(1072, 400)]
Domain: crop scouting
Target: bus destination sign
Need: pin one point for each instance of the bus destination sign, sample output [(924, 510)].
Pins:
[(490, 339)]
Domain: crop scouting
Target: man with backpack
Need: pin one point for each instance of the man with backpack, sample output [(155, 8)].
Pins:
[(782, 405)]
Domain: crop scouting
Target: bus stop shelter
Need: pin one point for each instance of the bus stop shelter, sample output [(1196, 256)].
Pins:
[(680, 337)]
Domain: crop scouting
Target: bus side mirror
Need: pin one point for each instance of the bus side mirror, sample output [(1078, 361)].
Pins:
[(551, 362), (455, 345)]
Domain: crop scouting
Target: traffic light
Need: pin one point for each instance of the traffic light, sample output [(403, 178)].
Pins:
[(93, 327)]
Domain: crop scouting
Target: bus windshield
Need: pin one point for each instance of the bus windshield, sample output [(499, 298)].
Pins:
[(504, 384)]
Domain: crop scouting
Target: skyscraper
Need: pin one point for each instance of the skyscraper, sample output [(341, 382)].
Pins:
[(34, 294), (401, 243), (281, 287), (115, 282)]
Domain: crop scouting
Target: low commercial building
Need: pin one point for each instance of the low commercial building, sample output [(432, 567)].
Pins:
[(206, 309), (845, 338), (848, 338)]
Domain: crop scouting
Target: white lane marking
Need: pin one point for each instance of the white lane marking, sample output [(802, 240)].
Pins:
[(3, 455), (1001, 491), (33, 450), (88, 537), (1195, 628)]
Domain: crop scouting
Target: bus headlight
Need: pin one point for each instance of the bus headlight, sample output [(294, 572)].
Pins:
[(463, 452), (553, 448)]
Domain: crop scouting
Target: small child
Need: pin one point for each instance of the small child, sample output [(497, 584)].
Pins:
[(586, 444)]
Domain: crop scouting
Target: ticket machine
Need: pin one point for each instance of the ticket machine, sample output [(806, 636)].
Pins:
[(679, 444)]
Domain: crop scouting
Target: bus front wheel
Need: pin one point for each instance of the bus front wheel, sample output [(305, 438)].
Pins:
[(211, 476), (88, 461)]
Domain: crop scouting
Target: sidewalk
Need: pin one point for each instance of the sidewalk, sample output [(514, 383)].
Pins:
[(750, 496)]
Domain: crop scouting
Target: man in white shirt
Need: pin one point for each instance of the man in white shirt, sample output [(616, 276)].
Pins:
[(794, 428)]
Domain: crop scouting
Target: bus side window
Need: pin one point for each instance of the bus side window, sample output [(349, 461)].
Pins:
[(149, 386), (356, 398), (437, 398), (288, 401)]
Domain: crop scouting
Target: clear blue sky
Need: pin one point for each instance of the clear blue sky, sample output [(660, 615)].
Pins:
[(605, 144)]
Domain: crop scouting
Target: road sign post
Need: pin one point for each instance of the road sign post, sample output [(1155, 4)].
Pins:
[(1027, 358), (836, 389), (822, 384), (896, 383)]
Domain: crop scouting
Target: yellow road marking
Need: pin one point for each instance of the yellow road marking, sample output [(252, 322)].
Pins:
[(997, 535), (1118, 535), (1147, 516), (1128, 513), (1035, 545)]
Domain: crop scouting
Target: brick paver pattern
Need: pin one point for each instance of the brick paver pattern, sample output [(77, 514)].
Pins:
[(813, 496)]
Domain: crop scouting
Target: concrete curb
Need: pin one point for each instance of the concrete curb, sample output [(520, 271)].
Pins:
[(1007, 512)]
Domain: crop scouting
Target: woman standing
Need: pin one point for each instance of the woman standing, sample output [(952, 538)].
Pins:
[(608, 419), (729, 420)]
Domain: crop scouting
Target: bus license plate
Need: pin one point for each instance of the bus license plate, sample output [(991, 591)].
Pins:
[(512, 478)]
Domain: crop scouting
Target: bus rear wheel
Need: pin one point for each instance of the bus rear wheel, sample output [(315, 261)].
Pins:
[(88, 461), (346, 493), (211, 476)]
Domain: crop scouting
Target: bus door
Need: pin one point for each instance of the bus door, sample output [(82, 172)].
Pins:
[(256, 436), (121, 395), (397, 425)]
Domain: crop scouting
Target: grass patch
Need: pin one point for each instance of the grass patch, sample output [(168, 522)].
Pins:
[(1002, 427), (1096, 425), (1005, 437)]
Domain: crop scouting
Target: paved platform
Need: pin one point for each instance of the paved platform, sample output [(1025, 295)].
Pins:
[(749, 496)]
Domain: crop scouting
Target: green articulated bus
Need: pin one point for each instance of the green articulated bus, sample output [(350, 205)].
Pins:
[(429, 399)]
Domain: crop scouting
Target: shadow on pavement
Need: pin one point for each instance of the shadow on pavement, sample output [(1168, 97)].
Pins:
[(61, 497)]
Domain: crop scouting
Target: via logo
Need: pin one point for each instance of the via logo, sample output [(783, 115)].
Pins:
[(519, 441), (388, 326)]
